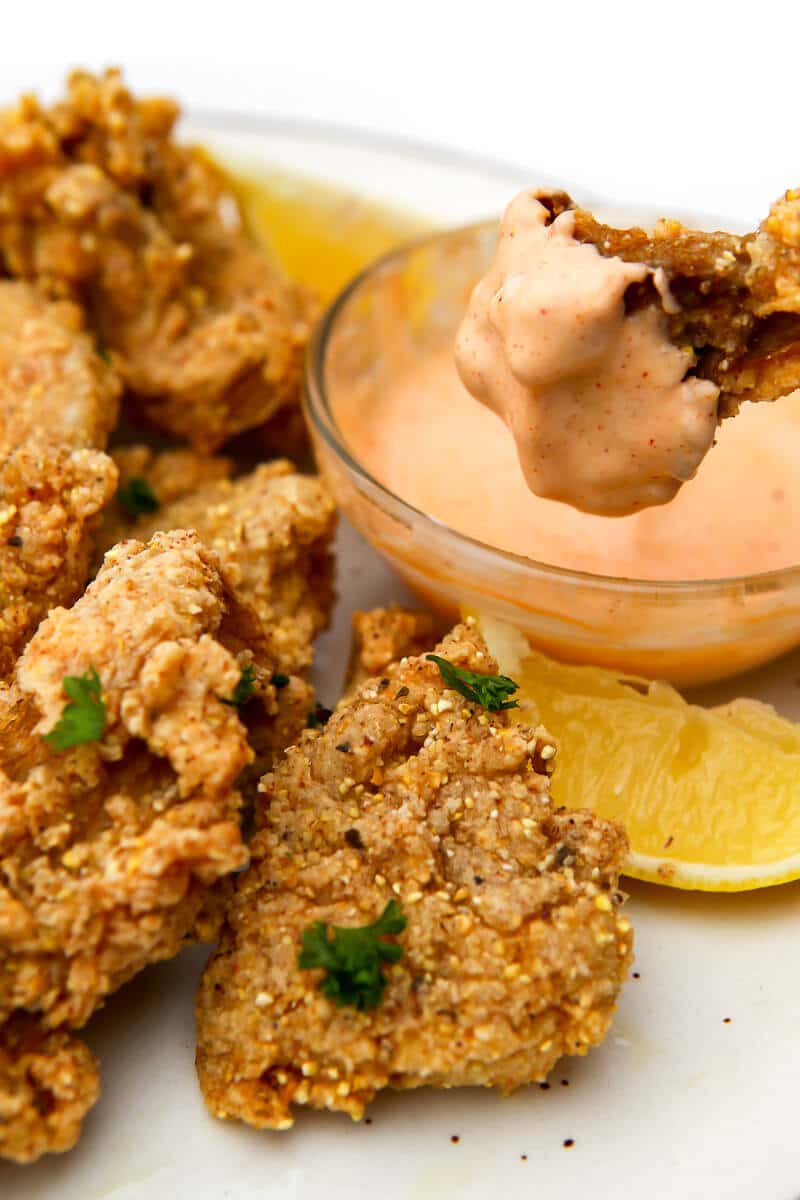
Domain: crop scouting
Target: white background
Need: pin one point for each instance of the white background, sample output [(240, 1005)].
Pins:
[(680, 104)]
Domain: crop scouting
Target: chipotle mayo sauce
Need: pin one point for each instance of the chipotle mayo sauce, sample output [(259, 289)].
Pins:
[(424, 437), (596, 399)]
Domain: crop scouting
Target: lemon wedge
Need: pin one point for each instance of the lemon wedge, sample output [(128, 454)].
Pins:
[(320, 235), (710, 797)]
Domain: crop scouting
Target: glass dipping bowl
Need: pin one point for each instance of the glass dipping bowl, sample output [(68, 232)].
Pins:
[(408, 305)]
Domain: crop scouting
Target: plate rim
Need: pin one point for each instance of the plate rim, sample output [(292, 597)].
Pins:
[(246, 120), (251, 121)]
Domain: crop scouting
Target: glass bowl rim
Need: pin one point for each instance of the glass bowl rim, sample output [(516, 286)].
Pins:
[(318, 409)]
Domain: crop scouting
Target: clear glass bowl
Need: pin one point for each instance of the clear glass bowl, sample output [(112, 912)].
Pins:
[(405, 306)]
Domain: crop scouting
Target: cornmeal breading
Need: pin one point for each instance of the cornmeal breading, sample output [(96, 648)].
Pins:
[(48, 1082), (51, 378), (170, 474), (381, 636), (99, 204), (739, 296), (50, 500), (110, 851), (58, 402), (107, 848), (272, 531), (514, 951)]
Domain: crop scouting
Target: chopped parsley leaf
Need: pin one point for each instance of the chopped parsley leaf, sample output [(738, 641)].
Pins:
[(279, 680), (490, 691), (137, 497), (243, 692), (84, 715), (352, 958), (318, 716)]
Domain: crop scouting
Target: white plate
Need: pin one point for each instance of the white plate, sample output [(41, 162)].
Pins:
[(676, 1103)]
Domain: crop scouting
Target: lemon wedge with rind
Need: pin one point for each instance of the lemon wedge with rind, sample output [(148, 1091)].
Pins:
[(710, 797)]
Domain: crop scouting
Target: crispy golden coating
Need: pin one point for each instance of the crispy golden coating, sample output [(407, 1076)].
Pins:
[(98, 203), (272, 530), (50, 500), (381, 636), (171, 475), (51, 378), (739, 297), (107, 850), (58, 402), (48, 1082), (111, 851), (514, 951)]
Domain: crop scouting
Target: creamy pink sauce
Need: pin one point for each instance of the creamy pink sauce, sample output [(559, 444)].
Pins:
[(597, 400), (427, 440)]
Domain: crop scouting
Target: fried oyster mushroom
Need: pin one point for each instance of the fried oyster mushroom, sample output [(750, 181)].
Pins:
[(167, 475), (737, 297), (110, 848), (48, 1082), (52, 379), (50, 500), (514, 951), (170, 474), (272, 530), (58, 403), (98, 203), (381, 636)]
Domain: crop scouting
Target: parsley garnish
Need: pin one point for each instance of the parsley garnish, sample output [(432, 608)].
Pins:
[(490, 691), (279, 680), (352, 958), (84, 716), (318, 716), (243, 692), (137, 497)]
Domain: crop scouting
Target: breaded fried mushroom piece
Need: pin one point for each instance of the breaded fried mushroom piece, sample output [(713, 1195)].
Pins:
[(111, 849), (48, 1082), (272, 530), (738, 297), (52, 380), (514, 951), (382, 636), (168, 475), (171, 474), (99, 204), (107, 848), (58, 402), (51, 497)]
